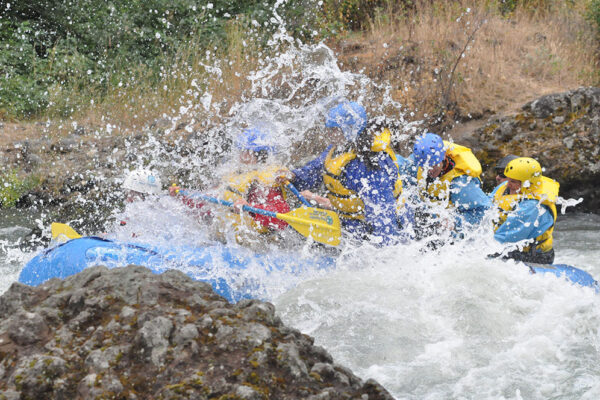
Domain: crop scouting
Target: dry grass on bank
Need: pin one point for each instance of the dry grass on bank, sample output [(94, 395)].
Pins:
[(506, 60)]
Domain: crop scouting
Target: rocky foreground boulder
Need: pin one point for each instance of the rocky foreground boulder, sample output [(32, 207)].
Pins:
[(561, 131), (129, 334)]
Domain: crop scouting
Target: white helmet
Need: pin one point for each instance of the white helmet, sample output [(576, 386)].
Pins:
[(143, 181)]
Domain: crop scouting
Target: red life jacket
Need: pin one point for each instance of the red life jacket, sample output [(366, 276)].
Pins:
[(270, 199)]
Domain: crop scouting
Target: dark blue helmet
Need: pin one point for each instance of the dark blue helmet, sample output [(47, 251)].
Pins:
[(350, 117), (429, 150), (254, 139)]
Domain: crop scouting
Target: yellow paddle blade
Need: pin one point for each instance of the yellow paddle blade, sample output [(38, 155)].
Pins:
[(321, 225), (63, 232)]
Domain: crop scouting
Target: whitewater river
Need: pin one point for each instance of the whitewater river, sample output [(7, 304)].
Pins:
[(439, 325)]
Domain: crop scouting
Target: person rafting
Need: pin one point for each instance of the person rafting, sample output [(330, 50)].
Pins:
[(255, 184), (499, 169), (139, 185), (448, 174), (364, 186), (527, 205), (343, 123), (259, 187)]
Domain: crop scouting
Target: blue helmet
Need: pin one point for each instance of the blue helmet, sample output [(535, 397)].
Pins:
[(350, 117), (254, 139), (429, 150)]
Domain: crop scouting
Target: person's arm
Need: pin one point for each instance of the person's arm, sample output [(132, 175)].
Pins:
[(189, 201), (309, 176), (468, 198), (528, 221), (315, 199), (408, 170)]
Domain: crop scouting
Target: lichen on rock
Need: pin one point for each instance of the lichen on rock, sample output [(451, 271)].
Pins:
[(129, 333), (561, 131)]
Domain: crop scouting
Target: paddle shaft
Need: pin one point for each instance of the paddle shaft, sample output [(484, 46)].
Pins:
[(293, 189), (228, 204)]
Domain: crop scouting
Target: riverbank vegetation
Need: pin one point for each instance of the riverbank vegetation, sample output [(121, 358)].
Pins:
[(132, 61)]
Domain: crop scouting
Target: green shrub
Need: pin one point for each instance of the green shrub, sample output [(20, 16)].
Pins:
[(594, 15), (52, 46), (12, 188), (344, 15), (533, 6)]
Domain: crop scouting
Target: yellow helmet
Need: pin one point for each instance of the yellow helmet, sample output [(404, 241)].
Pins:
[(524, 169)]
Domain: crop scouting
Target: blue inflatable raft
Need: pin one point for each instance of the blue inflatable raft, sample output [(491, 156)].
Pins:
[(234, 273), (568, 272)]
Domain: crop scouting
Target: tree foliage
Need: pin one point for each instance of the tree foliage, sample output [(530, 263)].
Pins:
[(56, 43)]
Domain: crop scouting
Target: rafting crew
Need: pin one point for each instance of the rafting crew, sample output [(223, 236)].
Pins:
[(527, 207), (360, 177)]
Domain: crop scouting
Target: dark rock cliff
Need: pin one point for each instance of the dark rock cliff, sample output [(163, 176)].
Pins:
[(561, 131), (129, 334)]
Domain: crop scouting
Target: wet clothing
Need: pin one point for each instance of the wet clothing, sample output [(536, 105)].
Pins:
[(270, 199), (199, 205), (493, 192), (408, 170), (369, 209), (468, 198), (260, 190), (310, 176), (529, 216), (366, 197), (458, 185)]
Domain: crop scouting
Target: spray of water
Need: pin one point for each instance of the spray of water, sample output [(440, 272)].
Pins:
[(431, 319)]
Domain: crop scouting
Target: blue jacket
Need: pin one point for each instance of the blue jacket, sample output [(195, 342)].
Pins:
[(376, 189), (408, 170), (380, 204), (469, 200), (309, 176), (528, 221)]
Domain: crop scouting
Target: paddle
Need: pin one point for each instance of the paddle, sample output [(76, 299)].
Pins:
[(293, 189), (321, 225), (63, 232)]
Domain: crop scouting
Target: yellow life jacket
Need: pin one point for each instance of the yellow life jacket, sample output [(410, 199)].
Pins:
[(238, 186), (546, 192), (347, 202), (465, 163)]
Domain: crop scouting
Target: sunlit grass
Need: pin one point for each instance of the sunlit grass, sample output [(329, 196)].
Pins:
[(534, 50)]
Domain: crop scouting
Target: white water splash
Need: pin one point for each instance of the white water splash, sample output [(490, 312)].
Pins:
[(564, 203), (426, 324)]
